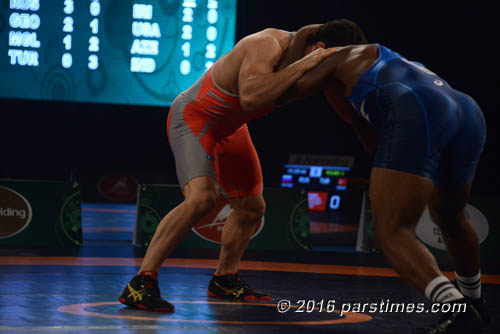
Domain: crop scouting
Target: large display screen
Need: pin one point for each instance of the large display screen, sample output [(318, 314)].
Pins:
[(140, 52), (334, 203)]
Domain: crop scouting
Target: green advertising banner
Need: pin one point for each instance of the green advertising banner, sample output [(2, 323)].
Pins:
[(285, 225), (482, 212), (40, 213)]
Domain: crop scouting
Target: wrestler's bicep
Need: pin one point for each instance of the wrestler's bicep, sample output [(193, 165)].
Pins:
[(260, 58)]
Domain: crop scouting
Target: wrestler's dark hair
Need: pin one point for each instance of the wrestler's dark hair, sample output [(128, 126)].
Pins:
[(339, 32)]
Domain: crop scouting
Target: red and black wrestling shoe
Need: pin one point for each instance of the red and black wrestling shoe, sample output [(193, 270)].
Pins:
[(143, 293), (231, 286)]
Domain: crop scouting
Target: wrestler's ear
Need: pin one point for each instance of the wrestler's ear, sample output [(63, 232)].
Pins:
[(319, 45), (310, 48)]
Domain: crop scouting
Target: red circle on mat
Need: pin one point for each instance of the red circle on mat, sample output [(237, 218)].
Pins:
[(79, 309)]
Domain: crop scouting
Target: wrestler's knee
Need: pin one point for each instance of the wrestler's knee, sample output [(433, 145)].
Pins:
[(202, 201), (450, 223), (250, 209)]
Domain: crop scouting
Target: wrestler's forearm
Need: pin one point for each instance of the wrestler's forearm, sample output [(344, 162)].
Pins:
[(262, 90), (298, 44), (311, 82)]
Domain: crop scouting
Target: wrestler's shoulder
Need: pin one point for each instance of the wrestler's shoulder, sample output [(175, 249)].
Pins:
[(267, 36)]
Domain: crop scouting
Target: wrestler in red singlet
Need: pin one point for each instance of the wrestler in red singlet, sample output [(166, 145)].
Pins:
[(209, 137), (214, 154)]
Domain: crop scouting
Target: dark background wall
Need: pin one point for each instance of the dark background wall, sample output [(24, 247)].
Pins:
[(458, 41)]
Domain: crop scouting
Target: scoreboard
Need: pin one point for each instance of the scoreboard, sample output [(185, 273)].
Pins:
[(325, 184), (326, 180), (334, 201), (140, 52)]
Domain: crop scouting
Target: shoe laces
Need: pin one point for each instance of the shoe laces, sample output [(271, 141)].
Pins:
[(240, 283), (150, 285)]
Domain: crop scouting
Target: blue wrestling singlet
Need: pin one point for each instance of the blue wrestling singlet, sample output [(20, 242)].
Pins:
[(427, 127)]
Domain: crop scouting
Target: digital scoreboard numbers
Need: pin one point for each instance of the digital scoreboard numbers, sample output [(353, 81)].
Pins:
[(141, 52), (326, 185)]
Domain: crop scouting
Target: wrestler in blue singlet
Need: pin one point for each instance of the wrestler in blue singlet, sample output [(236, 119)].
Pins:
[(428, 128)]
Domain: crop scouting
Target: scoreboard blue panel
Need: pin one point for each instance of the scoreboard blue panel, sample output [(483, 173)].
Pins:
[(140, 52)]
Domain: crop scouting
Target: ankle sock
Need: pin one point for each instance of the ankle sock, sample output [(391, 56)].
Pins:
[(470, 286), (441, 290)]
